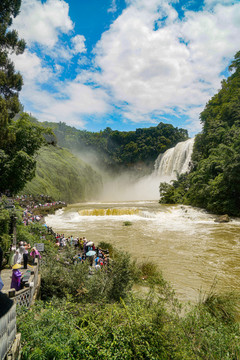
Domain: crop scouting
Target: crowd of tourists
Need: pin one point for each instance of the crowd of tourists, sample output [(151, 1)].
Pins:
[(31, 204), (84, 250), (23, 255), (36, 201)]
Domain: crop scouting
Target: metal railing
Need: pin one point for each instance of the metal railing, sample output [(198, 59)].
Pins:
[(20, 298), (25, 296), (8, 331)]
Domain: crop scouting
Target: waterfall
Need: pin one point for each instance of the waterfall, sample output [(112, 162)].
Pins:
[(173, 161)]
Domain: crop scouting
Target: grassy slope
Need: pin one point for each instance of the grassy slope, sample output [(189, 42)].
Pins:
[(63, 176)]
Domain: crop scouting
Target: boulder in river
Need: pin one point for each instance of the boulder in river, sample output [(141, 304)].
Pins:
[(222, 219)]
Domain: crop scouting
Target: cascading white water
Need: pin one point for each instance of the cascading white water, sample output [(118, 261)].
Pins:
[(173, 161)]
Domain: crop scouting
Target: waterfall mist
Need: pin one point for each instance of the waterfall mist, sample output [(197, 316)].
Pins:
[(126, 186), (172, 162)]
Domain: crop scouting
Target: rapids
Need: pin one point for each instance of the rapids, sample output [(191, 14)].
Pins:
[(190, 248)]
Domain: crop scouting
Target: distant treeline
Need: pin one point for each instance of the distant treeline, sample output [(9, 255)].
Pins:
[(213, 182), (120, 149)]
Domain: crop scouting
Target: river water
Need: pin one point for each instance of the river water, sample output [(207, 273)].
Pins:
[(191, 249)]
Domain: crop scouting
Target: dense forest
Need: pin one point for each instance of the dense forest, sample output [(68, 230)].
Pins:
[(213, 182), (118, 150)]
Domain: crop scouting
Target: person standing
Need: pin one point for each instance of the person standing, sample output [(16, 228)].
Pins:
[(16, 277), (25, 254), (1, 260)]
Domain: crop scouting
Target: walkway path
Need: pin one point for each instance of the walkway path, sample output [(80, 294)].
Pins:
[(6, 276)]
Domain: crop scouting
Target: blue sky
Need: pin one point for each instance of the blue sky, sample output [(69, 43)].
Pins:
[(124, 63)]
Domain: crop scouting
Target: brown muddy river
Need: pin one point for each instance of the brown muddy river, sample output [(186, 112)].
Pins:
[(190, 248)]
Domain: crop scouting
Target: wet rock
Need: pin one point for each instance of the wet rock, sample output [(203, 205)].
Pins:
[(222, 219)]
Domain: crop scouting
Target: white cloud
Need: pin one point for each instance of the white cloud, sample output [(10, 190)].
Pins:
[(175, 67), (212, 3), (78, 44), (58, 100), (72, 103), (32, 68), (113, 7), (150, 61), (43, 22), (43, 93), (69, 105)]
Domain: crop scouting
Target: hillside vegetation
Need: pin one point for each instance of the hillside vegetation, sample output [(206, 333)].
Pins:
[(213, 182), (63, 176), (120, 150)]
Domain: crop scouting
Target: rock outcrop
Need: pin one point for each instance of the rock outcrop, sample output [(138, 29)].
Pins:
[(222, 219)]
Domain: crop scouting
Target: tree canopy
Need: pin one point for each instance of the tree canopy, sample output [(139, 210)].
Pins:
[(10, 81), (213, 182), (19, 139), (117, 150)]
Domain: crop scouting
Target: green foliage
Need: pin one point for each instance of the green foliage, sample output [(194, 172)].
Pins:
[(148, 269), (4, 221), (86, 316), (19, 139), (213, 182), (146, 328), (118, 150), (127, 223), (209, 335), (17, 156), (63, 176), (10, 82), (62, 276), (24, 234), (5, 242), (106, 246), (121, 276), (223, 307)]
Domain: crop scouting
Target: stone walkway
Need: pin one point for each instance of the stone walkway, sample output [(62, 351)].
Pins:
[(6, 276)]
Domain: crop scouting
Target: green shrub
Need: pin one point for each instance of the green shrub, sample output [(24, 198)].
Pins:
[(127, 223), (106, 246), (24, 234), (5, 243), (121, 274), (148, 268), (4, 221)]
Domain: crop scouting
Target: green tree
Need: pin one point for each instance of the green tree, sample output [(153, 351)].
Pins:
[(10, 81), (213, 182), (19, 139), (17, 156)]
